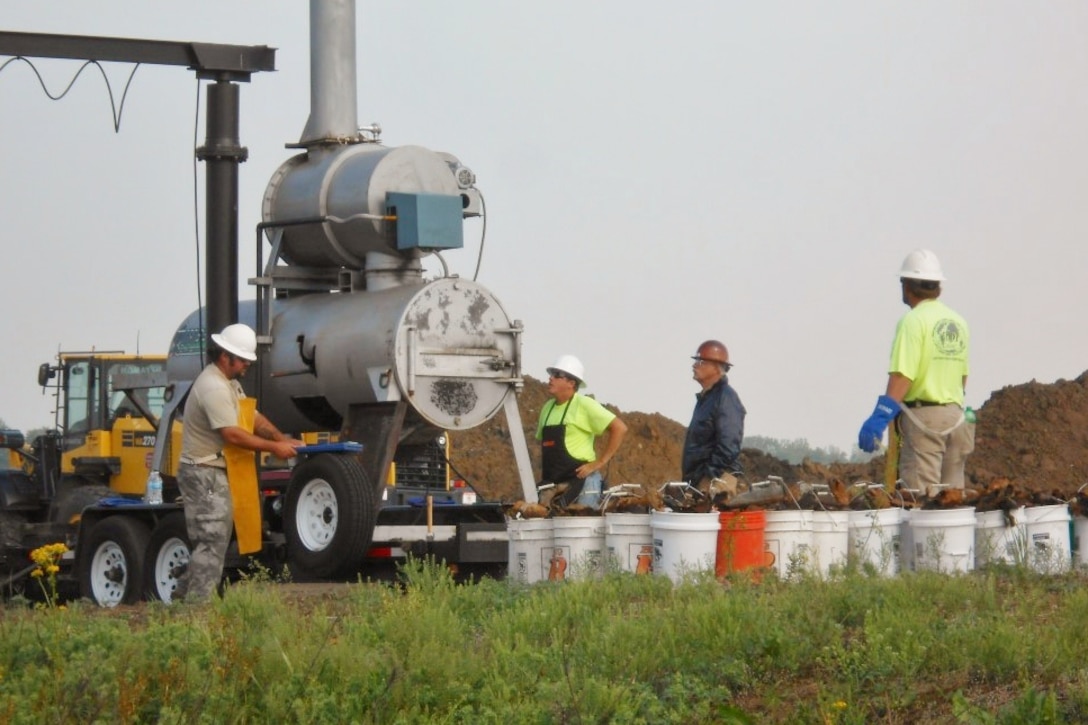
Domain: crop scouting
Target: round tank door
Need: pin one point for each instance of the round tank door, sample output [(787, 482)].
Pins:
[(455, 354)]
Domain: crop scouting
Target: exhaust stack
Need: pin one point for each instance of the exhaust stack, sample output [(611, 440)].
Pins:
[(333, 100)]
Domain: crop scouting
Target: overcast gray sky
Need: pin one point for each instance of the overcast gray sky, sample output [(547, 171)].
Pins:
[(655, 174)]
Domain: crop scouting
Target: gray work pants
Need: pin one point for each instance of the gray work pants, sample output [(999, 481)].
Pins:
[(209, 520)]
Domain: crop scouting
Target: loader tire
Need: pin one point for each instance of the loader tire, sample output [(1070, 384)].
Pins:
[(168, 554), (329, 517), (111, 568), (12, 528), (70, 501), (13, 559)]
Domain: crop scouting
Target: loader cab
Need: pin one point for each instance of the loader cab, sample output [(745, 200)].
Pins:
[(106, 416)]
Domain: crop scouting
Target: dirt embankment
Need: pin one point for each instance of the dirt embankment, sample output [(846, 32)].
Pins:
[(1034, 434)]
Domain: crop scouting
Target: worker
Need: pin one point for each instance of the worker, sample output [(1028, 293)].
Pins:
[(213, 423), (927, 378), (569, 424), (713, 439)]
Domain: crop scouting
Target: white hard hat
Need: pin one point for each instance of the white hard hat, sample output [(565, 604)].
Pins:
[(921, 264), (570, 365), (239, 340)]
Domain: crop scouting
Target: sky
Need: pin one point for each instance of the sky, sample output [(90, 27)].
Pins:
[(654, 174)]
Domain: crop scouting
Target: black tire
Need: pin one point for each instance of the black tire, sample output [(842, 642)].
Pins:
[(12, 528), (71, 501), (168, 553), (329, 517), (111, 561), (13, 556)]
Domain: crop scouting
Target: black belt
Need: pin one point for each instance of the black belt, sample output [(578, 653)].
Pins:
[(922, 403)]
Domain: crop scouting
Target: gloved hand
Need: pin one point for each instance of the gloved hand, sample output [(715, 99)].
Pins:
[(872, 430)]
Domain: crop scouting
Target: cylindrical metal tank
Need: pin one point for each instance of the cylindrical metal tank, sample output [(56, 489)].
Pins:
[(342, 181), (447, 347)]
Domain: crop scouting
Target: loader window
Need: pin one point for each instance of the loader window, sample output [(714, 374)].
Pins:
[(152, 398), (80, 413)]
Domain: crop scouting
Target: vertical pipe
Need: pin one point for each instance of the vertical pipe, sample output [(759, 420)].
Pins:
[(333, 93), (222, 152)]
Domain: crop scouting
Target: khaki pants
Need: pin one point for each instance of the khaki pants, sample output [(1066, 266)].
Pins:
[(927, 459)]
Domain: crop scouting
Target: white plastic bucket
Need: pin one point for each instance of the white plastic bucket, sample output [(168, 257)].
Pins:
[(944, 539), (629, 541), (532, 543), (830, 540), (1080, 540), (906, 542), (1000, 537), (875, 539), (787, 536), (684, 544), (1048, 538), (579, 548)]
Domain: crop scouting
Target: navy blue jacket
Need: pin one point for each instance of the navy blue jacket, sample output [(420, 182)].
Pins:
[(712, 443)]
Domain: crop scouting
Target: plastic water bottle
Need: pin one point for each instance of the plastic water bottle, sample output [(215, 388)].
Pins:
[(154, 488)]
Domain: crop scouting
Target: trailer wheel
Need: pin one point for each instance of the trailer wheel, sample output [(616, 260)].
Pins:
[(329, 517), (112, 562), (167, 557)]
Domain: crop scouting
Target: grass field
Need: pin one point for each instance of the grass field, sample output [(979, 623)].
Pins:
[(1003, 646)]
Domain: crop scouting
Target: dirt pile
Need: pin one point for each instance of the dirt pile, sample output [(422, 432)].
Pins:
[(1034, 434)]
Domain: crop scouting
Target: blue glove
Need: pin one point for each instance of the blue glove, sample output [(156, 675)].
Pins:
[(872, 430)]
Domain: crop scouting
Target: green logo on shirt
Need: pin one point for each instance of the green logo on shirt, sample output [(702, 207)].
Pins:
[(949, 338)]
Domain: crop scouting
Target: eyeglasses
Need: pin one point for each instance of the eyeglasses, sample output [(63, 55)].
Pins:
[(703, 361), (561, 376)]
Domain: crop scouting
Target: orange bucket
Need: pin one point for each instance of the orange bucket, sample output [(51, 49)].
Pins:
[(740, 541)]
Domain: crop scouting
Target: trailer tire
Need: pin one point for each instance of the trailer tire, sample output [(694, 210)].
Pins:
[(168, 553), (329, 517), (112, 558)]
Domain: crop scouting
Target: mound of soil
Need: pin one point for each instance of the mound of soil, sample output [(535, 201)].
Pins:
[(1034, 434)]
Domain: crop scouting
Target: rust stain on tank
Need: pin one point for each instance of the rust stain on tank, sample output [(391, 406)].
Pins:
[(477, 308), (422, 320), (454, 397)]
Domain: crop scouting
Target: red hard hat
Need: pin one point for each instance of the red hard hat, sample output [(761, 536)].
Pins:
[(712, 350)]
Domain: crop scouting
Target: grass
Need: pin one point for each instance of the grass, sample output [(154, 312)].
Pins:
[(1001, 646)]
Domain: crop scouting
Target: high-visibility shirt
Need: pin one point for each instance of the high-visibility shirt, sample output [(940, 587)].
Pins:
[(930, 347)]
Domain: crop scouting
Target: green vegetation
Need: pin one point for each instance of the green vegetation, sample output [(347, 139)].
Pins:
[(797, 450), (994, 647)]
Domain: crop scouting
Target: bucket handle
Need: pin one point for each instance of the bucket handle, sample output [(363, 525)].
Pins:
[(866, 486), (913, 498), (817, 497), (787, 489), (1077, 493)]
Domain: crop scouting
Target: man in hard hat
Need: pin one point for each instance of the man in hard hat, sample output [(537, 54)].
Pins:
[(714, 435), (568, 426), (214, 423), (927, 377)]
